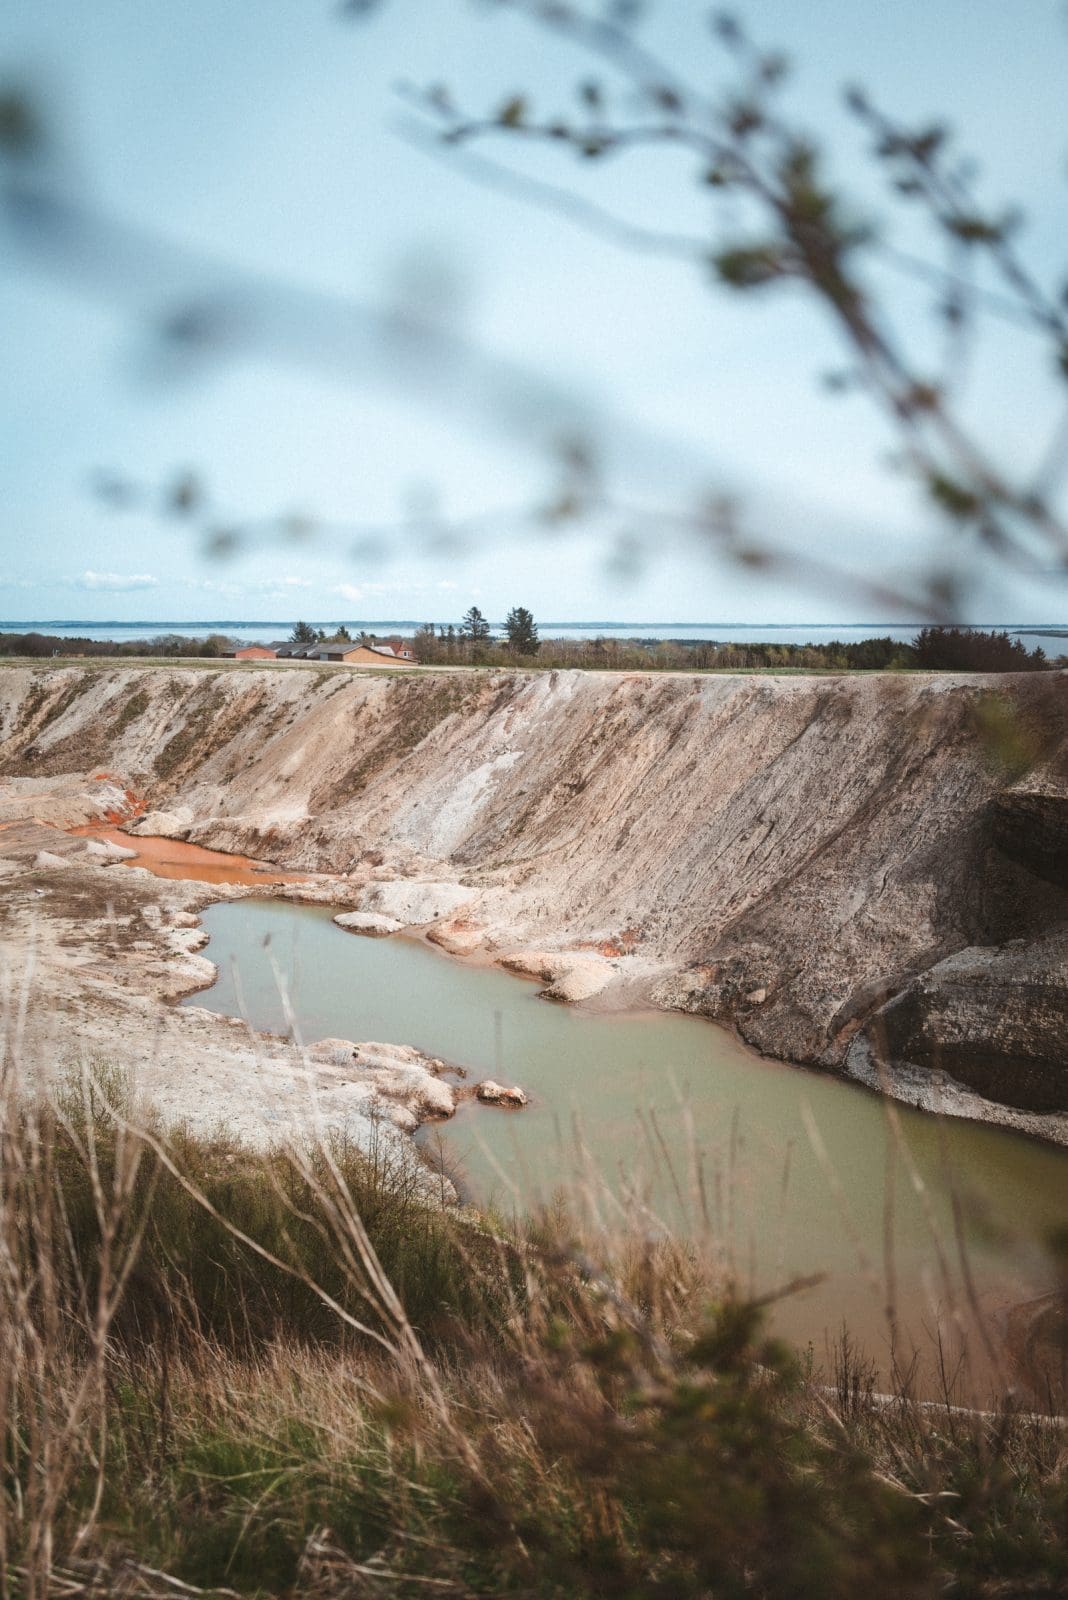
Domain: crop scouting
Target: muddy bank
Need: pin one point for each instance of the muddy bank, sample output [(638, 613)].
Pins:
[(94, 955), (801, 857)]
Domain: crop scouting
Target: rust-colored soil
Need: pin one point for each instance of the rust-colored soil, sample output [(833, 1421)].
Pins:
[(173, 858)]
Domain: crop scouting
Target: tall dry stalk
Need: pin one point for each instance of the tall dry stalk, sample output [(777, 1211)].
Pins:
[(55, 1320)]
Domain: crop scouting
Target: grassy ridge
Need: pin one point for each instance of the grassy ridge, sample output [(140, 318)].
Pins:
[(291, 1374)]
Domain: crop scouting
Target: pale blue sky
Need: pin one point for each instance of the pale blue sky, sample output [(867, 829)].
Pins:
[(266, 136)]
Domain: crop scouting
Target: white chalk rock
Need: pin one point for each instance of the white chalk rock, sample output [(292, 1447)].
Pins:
[(398, 1073), (567, 977), (497, 1094), (332, 1052), (371, 923), (44, 859), (107, 852), (163, 824), (414, 903), (578, 978), (417, 1089), (457, 937)]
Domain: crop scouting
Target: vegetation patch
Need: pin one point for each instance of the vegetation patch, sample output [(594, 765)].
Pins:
[(42, 707), (414, 710), (202, 730), (133, 707), (294, 1374)]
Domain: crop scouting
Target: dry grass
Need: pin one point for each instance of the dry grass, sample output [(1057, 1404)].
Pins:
[(292, 1375)]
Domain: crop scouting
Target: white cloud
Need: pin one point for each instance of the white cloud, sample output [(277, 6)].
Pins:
[(115, 582), (294, 583), (447, 583)]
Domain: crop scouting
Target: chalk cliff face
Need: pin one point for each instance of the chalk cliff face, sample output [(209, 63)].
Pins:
[(841, 866)]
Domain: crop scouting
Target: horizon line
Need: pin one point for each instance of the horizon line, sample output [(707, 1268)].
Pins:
[(397, 622)]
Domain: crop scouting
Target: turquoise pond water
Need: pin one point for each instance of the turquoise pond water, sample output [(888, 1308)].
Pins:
[(800, 1173)]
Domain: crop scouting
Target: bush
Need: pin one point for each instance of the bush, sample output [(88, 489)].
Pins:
[(205, 1373)]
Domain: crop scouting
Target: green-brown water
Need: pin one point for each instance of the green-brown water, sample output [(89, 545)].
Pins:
[(648, 1097)]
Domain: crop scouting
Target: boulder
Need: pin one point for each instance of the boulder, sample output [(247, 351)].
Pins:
[(371, 923), (497, 1094), (990, 1017), (164, 824)]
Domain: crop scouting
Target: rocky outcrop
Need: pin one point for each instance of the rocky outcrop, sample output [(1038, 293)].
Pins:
[(789, 855), (397, 1075), (457, 936), (1030, 825), (566, 977), (992, 1019), (164, 824)]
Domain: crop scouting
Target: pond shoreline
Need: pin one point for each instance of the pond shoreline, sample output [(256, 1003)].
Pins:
[(937, 1094), (478, 1141), (934, 1093), (116, 955)]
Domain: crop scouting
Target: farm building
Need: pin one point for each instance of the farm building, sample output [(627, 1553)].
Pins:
[(361, 655), (348, 652)]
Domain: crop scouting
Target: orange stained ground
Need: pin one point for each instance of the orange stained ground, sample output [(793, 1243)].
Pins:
[(173, 858)]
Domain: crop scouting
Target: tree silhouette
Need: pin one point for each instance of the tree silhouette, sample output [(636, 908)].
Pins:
[(474, 626), (521, 631)]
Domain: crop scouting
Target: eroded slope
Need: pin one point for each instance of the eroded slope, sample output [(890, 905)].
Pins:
[(787, 852)]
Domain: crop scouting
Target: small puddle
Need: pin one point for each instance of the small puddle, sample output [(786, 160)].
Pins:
[(174, 858), (677, 1105)]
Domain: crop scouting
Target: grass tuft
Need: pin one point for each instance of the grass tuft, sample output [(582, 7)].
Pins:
[(289, 1373)]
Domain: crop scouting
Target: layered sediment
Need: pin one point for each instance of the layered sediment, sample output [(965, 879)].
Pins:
[(862, 873)]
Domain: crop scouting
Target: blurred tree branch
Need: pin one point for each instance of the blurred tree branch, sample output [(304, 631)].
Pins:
[(800, 230), (776, 220)]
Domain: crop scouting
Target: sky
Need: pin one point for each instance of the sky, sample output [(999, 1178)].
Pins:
[(272, 141)]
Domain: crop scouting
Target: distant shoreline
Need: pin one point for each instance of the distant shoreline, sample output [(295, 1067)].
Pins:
[(1057, 630)]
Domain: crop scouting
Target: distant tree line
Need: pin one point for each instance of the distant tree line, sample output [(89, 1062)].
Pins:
[(473, 643), (933, 649), (163, 644), (972, 650)]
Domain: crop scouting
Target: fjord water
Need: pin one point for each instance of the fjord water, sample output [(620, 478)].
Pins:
[(801, 1173)]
